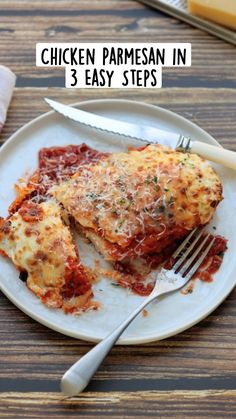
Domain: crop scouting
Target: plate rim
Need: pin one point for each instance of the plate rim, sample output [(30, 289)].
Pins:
[(130, 340)]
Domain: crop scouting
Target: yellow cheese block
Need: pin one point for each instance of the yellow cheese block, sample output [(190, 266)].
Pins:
[(219, 11)]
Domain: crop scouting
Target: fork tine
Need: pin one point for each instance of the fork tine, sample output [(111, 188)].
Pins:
[(186, 253), (183, 244), (193, 257), (200, 260)]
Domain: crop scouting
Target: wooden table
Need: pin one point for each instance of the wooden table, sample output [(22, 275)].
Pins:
[(189, 375)]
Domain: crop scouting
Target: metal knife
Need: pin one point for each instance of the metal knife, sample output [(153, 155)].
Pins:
[(147, 134)]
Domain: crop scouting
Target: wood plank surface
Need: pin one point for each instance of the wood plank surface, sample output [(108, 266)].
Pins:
[(24, 23), (33, 358), (188, 375), (177, 404)]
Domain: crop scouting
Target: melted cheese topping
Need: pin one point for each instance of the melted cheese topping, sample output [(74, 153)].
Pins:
[(38, 242), (139, 199)]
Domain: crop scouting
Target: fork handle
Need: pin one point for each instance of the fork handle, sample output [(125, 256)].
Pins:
[(78, 376)]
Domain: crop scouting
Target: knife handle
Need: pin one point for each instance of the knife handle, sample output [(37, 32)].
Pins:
[(217, 154)]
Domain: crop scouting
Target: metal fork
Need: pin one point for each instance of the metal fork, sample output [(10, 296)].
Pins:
[(78, 376)]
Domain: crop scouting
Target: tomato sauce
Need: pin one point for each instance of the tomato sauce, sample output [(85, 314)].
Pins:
[(57, 164), (205, 272), (76, 282), (213, 261), (141, 288)]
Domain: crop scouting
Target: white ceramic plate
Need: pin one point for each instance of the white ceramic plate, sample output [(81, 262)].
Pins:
[(171, 314)]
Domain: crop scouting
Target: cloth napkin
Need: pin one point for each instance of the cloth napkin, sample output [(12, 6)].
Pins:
[(7, 84)]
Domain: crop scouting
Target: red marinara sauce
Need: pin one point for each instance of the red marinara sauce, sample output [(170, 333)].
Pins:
[(209, 267), (142, 289), (76, 281), (57, 164), (212, 262)]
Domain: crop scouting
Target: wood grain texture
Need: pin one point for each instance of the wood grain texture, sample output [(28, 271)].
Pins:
[(24, 23), (191, 374), (202, 357), (177, 404)]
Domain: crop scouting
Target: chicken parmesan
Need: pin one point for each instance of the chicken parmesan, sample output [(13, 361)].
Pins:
[(41, 246), (135, 207), (137, 203)]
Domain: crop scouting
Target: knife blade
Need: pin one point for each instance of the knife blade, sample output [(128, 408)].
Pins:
[(147, 134)]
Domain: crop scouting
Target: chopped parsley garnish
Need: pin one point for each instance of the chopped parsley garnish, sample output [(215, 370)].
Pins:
[(182, 162), (155, 179), (121, 222), (91, 195)]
